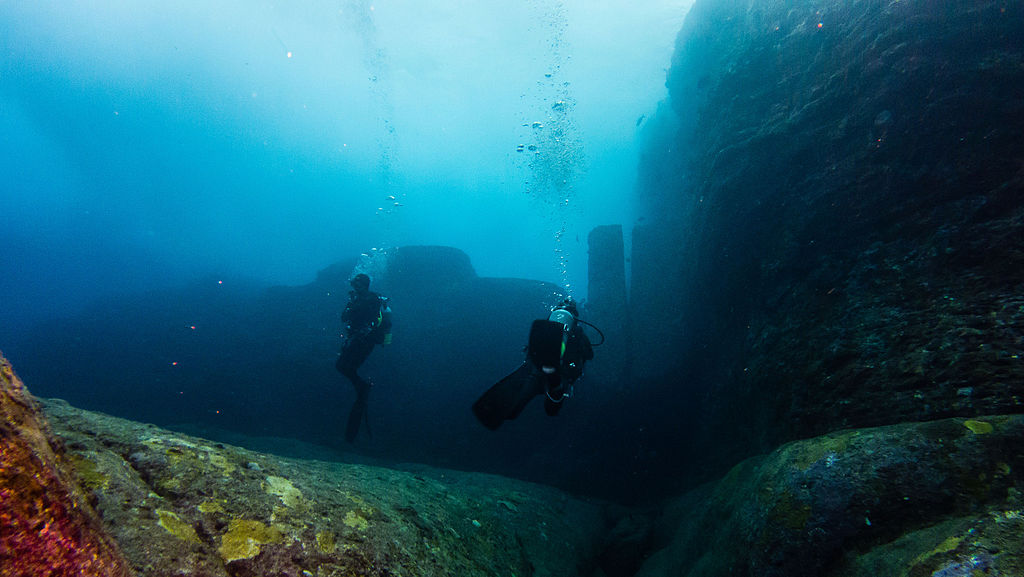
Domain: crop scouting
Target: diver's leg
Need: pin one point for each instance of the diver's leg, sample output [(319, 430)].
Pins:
[(554, 395)]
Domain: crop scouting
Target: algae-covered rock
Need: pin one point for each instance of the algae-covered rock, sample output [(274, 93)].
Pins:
[(46, 524), (182, 505), (906, 499)]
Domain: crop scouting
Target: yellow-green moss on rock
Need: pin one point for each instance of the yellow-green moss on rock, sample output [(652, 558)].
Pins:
[(979, 427), (356, 521), (326, 542), (244, 538), (170, 521), (803, 454), (284, 489), (89, 474), (211, 507)]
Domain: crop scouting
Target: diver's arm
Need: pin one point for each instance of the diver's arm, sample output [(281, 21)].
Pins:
[(583, 345), (346, 314), (385, 323)]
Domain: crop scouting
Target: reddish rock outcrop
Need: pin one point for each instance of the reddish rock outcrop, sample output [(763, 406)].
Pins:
[(46, 525)]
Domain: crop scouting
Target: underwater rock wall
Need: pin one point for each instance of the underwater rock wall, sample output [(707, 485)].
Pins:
[(607, 305), (849, 216)]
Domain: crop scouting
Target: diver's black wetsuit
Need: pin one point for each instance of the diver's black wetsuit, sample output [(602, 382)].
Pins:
[(367, 320)]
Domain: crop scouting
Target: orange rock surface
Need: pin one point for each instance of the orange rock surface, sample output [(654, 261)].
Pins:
[(46, 525)]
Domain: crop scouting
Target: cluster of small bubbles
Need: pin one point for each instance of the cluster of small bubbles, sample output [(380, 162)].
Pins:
[(562, 260), (550, 144), (554, 298), (360, 20), (553, 138), (373, 263), (391, 204)]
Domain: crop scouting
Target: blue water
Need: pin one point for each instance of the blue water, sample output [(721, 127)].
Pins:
[(148, 144), (166, 163)]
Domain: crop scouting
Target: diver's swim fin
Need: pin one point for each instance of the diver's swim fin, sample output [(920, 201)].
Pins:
[(506, 399), (355, 418), (357, 415)]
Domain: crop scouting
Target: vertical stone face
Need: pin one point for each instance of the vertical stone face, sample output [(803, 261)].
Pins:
[(607, 304), (46, 525), (848, 217), (655, 321)]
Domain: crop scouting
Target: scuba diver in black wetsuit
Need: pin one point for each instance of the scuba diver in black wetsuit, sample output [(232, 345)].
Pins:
[(367, 319), (556, 353)]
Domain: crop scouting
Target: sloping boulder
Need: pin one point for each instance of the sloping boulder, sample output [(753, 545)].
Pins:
[(180, 505), (935, 498)]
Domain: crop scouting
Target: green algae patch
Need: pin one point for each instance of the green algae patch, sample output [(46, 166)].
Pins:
[(171, 522), (326, 542), (172, 484), (950, 544), (356, 521), (176, 455), (221, 462), (244, 538), (979, 427), (89, 474), (210, 507), (284, 489), (945, 547), (803, 454)]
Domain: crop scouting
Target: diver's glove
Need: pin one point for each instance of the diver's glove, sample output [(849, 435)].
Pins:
[(387, 339)]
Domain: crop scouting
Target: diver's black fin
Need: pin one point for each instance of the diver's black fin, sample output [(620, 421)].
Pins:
[(506, 399), (366, 422), (357, 415)]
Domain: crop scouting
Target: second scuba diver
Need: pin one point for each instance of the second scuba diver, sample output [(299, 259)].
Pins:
[(367, 318), (556, 352)]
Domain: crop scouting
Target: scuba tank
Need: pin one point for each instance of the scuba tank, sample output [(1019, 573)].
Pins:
[(568, 322), (563, 317)]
